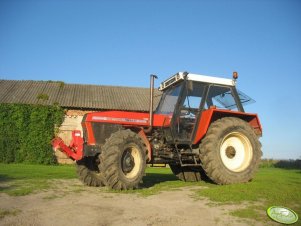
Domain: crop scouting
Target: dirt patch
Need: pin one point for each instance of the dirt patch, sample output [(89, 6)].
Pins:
[(70, 203)]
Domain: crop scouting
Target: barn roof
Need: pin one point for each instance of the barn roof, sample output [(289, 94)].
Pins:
[(76, 95)]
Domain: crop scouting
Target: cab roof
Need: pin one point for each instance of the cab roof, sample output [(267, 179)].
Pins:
[(195, 77)]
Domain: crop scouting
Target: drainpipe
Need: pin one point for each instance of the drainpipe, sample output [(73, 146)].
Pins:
[(151, 104)]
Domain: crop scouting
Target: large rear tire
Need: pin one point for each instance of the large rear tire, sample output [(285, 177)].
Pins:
[(88, 172), (123, 160), (230, 151), (188, 173)]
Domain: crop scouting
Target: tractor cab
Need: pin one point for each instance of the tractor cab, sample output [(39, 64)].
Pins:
[(187, 96)]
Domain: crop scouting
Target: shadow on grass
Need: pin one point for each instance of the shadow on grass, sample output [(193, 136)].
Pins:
[(5, 178), (152, 179), (4, 183)]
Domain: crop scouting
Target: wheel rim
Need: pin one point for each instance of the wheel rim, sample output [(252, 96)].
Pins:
[(236, 152), (130, 162)]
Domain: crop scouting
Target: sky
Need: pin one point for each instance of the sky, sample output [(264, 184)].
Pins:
[(122, 42)]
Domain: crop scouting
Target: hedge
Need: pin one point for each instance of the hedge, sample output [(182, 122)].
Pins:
[(27, 131)]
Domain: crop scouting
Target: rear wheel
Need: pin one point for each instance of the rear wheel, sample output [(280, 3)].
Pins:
[(123, 160), (230, 151), (187, 173), (88, 172)]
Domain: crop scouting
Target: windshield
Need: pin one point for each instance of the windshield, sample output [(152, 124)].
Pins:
[(223, 98), (169, 101), (244, 98)]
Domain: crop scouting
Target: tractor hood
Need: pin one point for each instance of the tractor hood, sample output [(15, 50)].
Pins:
[(128, 118)]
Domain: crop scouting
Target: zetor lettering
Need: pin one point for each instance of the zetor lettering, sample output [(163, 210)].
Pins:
[(199, 128)]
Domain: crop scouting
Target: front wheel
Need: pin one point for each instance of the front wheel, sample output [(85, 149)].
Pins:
[(123, 160), (230, 151), (89, 173)]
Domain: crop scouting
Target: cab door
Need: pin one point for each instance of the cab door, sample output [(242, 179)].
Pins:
[(187, 112)]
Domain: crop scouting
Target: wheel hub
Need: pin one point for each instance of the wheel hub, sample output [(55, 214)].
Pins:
[(230, 152), (128, 162)]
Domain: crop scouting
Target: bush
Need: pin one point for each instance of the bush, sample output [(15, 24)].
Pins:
[(267, 163), (284, 164), (289, 164), (26, 132)]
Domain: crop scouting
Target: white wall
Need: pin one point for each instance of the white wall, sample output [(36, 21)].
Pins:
[(71, 122)]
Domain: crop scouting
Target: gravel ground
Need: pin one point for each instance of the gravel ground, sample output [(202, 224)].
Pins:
[(70, 203)]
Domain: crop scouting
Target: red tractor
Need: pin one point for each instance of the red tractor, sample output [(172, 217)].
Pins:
[(199, 128)]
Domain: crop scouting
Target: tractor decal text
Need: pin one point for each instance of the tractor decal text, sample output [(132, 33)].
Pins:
[(100, 118)]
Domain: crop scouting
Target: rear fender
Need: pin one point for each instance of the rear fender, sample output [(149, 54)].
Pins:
[(211, 115)]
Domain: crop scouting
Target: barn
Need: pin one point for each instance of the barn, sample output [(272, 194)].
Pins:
[(76, 100)]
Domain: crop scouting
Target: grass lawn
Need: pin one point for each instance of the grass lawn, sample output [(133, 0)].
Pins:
[(23, 179), (270, 187)]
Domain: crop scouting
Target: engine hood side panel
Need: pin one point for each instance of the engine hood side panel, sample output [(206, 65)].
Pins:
[(127, 118)]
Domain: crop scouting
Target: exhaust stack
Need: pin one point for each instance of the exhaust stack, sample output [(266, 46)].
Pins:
[(151, 103)]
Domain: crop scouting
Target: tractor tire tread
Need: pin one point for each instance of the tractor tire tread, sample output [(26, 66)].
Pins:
[(109, 159), (210, 158)]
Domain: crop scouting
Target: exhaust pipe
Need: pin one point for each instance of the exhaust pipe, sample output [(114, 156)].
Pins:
[(151, 104)]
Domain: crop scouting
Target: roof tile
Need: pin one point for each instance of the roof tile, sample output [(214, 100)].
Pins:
[(76, 95)]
